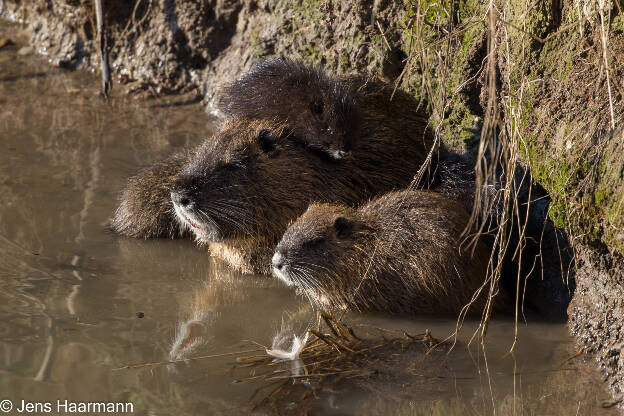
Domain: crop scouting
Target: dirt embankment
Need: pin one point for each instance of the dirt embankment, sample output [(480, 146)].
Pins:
[(558, 88)]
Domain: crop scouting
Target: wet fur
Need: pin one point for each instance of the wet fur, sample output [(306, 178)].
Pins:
[(400, 253)]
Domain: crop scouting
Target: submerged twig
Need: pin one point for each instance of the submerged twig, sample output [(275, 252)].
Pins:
[(158, 363)]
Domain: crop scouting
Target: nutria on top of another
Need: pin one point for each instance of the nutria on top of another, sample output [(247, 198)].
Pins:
[(240, 189), (400, 253), (319, 109)]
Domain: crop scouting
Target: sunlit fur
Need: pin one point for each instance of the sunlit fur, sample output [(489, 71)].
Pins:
[(399, 253)]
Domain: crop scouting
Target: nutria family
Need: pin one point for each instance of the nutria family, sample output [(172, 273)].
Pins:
[(400, 253), (242, 187)]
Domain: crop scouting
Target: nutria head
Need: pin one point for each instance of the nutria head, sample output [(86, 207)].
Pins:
[(247, 181), (317, 254), (399, 253), (319, 109), (321, 239)]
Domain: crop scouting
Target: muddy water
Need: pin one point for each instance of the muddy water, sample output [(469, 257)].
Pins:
[(77, 303)]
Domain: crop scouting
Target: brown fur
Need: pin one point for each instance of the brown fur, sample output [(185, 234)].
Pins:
[(254, 176), (399, 253), (145, 209), (319, 109)]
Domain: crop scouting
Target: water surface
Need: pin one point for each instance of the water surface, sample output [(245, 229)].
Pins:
[(77, 302)]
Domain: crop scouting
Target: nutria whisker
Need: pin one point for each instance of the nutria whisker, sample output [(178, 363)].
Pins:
[(313, 288), (304, 277), (227, 210), (210, 220), (299, 281), (223, 188), (227, 217), (312, 282)]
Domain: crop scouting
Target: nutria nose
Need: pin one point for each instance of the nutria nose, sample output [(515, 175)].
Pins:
[(278, 260), (181, 199)]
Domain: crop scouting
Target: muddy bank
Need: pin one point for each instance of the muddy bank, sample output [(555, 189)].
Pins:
[(558, 87)]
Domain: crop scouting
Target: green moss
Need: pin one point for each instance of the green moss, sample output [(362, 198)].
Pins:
[(312, 54), (617, 25), (444, 85)]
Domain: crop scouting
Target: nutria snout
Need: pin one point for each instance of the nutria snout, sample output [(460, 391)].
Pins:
[(402, 252)]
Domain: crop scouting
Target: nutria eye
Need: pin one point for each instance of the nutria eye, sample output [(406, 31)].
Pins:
[(342, 227), (268, 142), (317, 107)]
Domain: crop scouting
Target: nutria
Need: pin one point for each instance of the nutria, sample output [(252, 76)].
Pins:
[(400, 253), (326, 113), (242, 187), (319, 109)]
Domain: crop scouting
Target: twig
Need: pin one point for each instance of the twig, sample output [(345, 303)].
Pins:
[(103, 49), (226, 354), (603, 37), (383, 35)]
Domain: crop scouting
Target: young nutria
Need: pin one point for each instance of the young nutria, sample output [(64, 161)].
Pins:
[(400, 253), (319, 109), (325, 112), (242, 187)]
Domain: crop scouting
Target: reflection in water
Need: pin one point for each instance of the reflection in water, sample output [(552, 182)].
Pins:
[(70, 291)]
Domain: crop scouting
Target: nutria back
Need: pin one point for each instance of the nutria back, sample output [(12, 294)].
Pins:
[(145, 209), (401, 252)]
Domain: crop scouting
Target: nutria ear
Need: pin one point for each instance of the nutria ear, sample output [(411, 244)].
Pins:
[(343, 227), (317, 108)]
